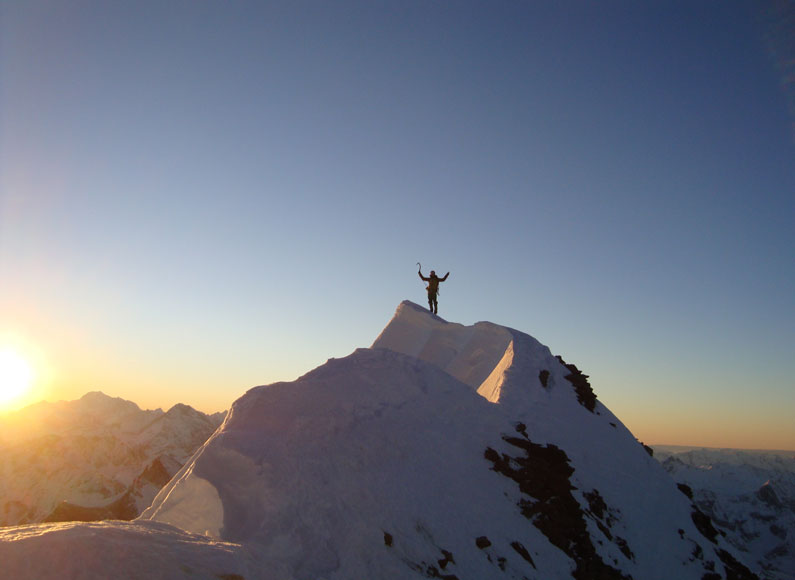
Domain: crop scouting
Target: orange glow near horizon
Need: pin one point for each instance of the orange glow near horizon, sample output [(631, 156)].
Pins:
[(732, 428)]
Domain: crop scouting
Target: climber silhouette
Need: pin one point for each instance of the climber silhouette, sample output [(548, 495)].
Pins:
[(433, 288)]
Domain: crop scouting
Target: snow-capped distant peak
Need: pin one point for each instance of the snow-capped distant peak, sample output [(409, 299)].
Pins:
[(81, 459)]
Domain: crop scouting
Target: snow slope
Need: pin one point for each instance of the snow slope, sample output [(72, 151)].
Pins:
[(92, 458), (750, 495), (140, 550), (443, 450)]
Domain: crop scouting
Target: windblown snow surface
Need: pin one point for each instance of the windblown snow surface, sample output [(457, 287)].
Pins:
[(443, 451)]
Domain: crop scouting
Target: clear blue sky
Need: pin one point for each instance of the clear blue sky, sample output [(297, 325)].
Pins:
[(199, 197)]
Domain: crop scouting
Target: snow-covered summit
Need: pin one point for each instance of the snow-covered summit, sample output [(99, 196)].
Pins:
[(444, 450), (494, 360)]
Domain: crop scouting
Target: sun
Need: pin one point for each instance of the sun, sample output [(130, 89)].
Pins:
[(16, 376)]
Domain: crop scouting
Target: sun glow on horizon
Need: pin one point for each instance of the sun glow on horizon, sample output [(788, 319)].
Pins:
[(16, 376)]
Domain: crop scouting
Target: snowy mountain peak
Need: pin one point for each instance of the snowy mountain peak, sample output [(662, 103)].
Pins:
[(183, 410), (91, 414), (444, 450), (767, 494), (100, 401), (469, 353), (496, 361)]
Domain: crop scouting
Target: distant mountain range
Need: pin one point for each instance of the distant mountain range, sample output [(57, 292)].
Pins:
[(749, 495), (94, 458)]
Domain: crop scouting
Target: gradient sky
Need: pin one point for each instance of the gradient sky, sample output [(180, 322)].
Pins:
[(200, 197)]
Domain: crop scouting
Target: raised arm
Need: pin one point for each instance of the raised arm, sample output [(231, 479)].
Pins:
[(423, 278), (445, 277)]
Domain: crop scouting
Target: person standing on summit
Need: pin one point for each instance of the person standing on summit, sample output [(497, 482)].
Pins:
[(433, 288)]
